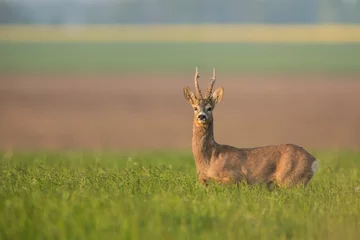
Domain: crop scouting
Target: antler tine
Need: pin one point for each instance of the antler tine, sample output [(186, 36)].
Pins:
[(198, 91), (211, 84)]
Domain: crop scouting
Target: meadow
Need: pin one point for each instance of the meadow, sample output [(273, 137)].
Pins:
[(171, 57), (176, 48), (155, 195)]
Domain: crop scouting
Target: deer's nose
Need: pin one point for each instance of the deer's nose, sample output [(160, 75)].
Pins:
[(202, 117)]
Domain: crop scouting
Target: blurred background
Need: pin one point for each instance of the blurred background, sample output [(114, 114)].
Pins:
[(108, 74), (174, 11)]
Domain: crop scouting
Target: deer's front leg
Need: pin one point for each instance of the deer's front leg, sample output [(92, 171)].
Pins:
[(203, 179)]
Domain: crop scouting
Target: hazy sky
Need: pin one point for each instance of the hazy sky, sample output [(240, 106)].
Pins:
[(84, 1)]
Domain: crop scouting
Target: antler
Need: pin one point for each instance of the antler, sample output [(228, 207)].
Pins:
[(211, 84), (198, 91)]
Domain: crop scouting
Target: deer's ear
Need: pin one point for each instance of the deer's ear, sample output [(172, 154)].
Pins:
[(217, 95), (189, 95)]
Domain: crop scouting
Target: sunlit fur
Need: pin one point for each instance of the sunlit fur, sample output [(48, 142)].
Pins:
[(282, 165)]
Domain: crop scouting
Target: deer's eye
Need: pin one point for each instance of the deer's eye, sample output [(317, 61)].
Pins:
[(195, 108), (209, 109)]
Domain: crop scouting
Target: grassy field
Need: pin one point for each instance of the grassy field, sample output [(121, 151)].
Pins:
[(159, 48), (154, 195), (325, 33), (179, 57)]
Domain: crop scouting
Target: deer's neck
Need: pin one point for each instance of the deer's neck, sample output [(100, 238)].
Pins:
[(203, 144)]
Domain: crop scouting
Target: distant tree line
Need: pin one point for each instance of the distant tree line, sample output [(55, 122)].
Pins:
[(179, 11)]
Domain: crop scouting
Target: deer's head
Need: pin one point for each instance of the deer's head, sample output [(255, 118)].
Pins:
[(203, 106)]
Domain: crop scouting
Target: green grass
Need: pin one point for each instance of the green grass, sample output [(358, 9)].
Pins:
[(104, 195), (178, 57)]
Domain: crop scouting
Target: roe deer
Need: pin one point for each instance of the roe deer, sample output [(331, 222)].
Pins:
[(282, 165)]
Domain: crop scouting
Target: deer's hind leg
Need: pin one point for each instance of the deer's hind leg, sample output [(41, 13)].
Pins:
[(284, 171), (298, 177)]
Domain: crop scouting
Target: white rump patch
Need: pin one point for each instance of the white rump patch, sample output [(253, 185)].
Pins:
[(315, 166)]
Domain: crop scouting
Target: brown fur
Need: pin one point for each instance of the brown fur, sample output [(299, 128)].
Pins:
[(283, 165)]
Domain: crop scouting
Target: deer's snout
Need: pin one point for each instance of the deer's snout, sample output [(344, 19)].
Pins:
[(202, 117)]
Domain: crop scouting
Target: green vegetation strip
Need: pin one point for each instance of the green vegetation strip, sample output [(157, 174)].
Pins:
[(178, 57), (72, 195)]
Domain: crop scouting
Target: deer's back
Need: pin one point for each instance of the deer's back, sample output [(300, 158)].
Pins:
[(281, 163)]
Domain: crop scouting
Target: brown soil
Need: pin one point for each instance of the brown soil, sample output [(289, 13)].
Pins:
[(133, 112)]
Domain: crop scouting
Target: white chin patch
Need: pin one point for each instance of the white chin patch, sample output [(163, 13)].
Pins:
[(202, 121)]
